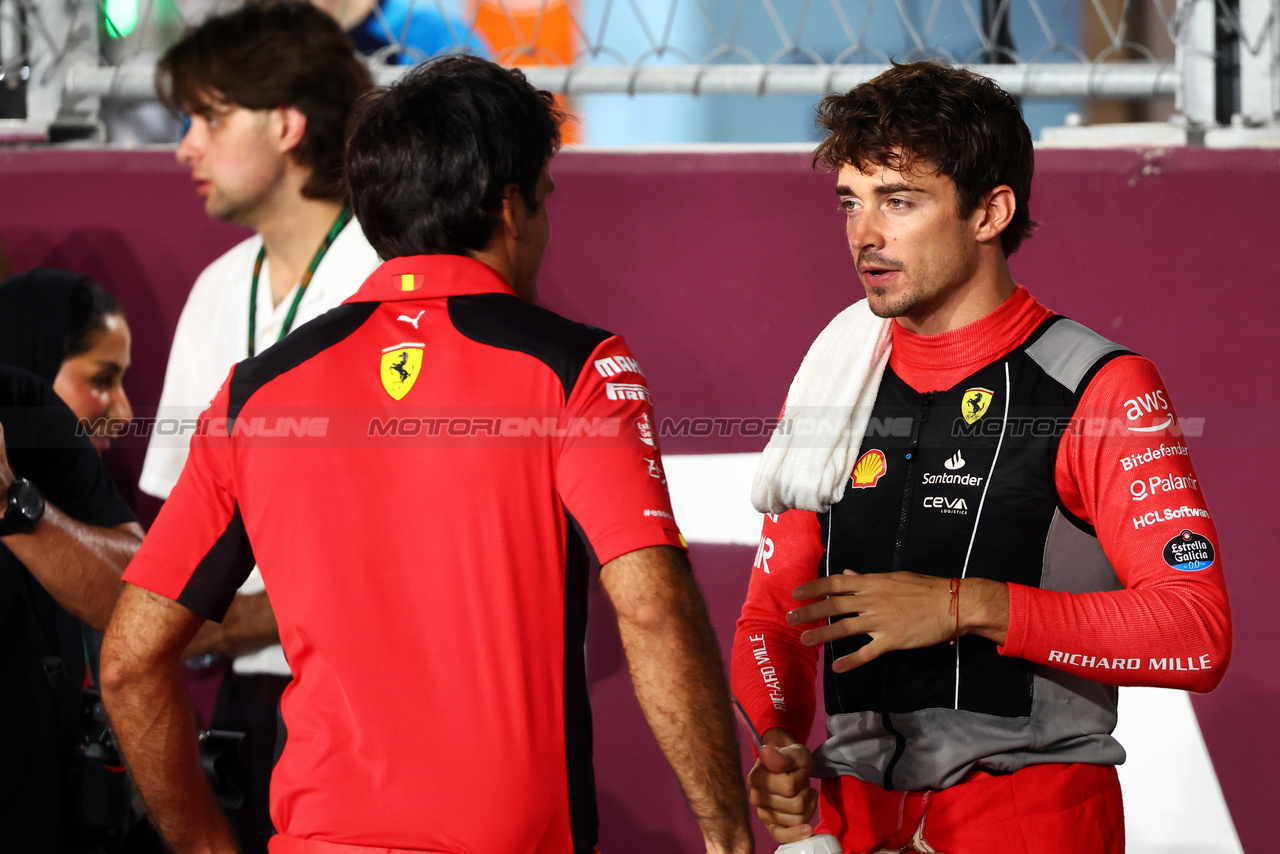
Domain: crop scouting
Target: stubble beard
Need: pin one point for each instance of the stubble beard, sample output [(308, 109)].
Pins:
[(878, 298), (923, 295), (245, 206), (884, 306), (224, 209)]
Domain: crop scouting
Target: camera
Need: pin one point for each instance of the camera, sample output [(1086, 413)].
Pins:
[(97, 788), (99, 797)]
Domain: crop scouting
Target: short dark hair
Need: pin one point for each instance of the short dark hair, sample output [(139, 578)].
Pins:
[(262, 56), (429, 158), (933, 116), (88, 307)]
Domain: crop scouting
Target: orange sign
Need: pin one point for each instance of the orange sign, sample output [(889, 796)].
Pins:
[(532, 32)]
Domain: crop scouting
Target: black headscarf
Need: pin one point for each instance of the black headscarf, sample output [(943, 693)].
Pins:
[(33, 319)]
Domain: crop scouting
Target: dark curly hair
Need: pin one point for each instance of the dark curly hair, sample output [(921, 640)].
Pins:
[(925, 115), (279, 53), (429, 158)]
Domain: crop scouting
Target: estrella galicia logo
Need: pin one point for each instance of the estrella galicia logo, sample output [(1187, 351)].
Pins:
[(1189, 552)]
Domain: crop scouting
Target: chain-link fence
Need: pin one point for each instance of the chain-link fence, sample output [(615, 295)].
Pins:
[(68, 62)]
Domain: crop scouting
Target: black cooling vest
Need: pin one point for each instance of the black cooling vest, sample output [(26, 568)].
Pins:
[(960, 484)]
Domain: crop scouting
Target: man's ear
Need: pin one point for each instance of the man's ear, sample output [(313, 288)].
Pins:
[(514, 211), (291, 126), (996, 210)]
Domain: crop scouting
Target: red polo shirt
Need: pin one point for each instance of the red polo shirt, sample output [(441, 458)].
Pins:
[(410, 472)]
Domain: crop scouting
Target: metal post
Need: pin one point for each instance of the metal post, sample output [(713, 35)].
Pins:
[(1195, 61), (56, 35), (15, 62), (1108, 80), (1259, 62)]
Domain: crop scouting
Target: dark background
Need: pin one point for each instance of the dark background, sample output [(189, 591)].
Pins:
[(720, 269)]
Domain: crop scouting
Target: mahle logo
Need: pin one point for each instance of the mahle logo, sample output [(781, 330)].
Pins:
[(400, 367)]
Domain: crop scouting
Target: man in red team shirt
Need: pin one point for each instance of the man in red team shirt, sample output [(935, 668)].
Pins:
[(984, 577), (449, 453)]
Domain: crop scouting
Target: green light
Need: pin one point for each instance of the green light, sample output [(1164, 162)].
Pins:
[(121, 17)]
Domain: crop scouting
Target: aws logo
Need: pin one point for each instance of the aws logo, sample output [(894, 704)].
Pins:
[(400, 367), (1152, 403)]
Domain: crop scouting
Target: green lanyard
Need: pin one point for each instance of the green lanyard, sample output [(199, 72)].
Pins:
[(343, 218)]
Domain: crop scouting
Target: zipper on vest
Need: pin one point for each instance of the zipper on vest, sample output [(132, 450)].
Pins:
[(899, 748), (899, 550), (908, 489)]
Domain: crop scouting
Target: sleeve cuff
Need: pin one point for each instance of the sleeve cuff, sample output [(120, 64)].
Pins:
[(1016, 640), (619, 542)]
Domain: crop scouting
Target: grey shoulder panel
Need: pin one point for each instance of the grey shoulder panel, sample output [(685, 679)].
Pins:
[(1067, 351), (1074, 561)]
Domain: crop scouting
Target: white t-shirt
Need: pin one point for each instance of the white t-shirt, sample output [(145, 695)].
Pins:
[(212, 335)]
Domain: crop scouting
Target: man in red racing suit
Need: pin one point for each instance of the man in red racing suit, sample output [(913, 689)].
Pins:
[(1022, 532)]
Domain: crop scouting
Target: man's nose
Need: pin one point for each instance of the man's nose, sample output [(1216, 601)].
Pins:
[(865, 231), (188, 146)]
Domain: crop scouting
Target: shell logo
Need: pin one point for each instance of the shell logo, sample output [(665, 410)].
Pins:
[(869, 469)]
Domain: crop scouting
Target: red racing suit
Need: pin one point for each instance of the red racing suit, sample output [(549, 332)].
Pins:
[(1055, 462)]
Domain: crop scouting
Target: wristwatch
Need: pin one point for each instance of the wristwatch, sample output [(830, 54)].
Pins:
[(24, 508)]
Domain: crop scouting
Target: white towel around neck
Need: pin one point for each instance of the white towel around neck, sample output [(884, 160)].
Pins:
[(809, 458)]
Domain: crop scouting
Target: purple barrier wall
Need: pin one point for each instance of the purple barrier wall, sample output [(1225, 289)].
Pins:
[(720, 269)]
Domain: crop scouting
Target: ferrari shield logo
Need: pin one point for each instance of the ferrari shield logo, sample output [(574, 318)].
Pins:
[(976, 401), (400, 367)]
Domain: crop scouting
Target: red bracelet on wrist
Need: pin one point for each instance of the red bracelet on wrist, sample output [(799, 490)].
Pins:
[(954, 607)]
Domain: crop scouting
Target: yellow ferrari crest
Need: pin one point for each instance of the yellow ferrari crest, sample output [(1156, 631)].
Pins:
[(976, 402), (400, 367)]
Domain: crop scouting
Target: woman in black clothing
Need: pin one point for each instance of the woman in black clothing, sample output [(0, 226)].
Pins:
[(67, 330)]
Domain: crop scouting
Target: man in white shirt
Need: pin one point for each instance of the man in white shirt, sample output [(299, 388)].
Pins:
[(268, 89)]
